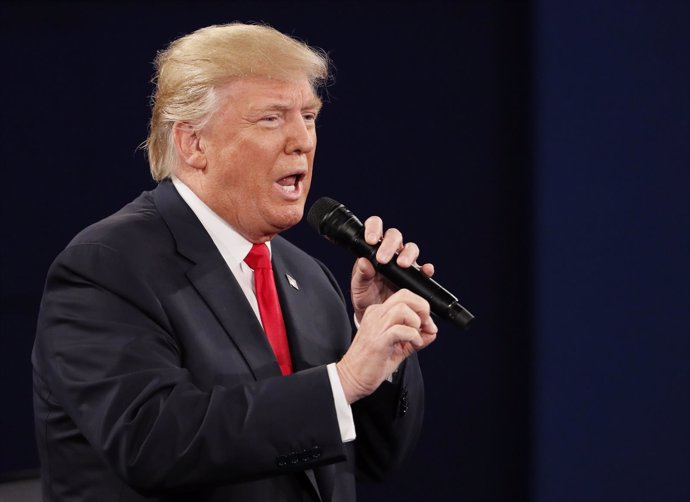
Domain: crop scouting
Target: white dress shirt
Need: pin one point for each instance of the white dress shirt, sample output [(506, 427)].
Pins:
[(234, 248)]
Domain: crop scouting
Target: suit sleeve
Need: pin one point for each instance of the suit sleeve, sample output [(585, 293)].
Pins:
[(389, 422), (108, 356)]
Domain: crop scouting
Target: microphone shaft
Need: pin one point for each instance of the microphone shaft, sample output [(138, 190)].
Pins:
[(344, 228)]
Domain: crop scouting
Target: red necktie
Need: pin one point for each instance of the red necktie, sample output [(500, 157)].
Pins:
[(269, 306)]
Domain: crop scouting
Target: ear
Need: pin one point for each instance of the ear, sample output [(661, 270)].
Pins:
[(189, 145)]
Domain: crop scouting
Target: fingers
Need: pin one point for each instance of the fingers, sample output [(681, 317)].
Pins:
[(400, 324), (388, 333), (390, 243), (404, 315), (421, 308), (428, 326), (407, 309), (408, 255), (407, 334), (428, 269), (373, 230)]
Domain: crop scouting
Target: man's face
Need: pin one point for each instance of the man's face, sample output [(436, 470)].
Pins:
[(259, 148)]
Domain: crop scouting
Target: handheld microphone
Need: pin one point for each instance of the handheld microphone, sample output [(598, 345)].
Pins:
[(337, 223)]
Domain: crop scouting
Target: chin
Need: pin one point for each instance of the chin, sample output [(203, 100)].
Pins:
[(290, 217)]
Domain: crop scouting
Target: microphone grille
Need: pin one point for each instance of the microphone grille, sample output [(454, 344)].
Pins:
[(319, 210)]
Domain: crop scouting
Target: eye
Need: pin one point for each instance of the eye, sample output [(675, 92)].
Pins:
[(270, 118), (309, 116)]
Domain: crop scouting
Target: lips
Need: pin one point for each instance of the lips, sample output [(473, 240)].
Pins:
[(290, 184)]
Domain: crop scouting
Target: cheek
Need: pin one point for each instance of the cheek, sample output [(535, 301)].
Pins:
[(257, 159), (237, 166), (307, 180)]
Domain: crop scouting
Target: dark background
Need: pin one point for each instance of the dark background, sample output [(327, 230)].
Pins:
[(539, 153)]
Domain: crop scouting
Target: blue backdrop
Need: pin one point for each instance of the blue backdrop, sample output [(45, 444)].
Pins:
[(611, 257), (537, 152)]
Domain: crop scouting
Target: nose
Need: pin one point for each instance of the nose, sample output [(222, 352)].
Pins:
[(301, 136)]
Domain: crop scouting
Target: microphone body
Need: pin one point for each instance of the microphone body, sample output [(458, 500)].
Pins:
[(337, 223)]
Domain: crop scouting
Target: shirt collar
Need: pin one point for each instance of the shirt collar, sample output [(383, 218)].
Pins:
[(231, 244)]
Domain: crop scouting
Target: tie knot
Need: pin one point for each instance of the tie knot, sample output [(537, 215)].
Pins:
[(258, 257)]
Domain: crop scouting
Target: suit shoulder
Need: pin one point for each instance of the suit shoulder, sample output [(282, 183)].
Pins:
[(135, 225)]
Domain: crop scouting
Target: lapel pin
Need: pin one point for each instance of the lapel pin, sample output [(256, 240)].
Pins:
[(292, 281)]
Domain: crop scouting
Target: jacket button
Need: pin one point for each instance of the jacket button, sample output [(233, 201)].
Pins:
[(404, 404)]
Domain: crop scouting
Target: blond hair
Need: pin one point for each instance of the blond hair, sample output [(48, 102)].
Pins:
[(193, 67)]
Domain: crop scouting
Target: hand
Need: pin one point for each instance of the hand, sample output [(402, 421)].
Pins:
[(367, 286), (387, 335)]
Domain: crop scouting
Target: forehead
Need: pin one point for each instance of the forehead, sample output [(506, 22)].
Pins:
[(258, 93)]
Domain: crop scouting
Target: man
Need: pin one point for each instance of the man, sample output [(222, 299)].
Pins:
[(162, 369)]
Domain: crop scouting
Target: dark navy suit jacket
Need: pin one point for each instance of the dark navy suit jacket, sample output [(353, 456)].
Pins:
[(153, 379)]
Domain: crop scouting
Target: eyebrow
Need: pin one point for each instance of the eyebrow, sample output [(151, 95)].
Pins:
[(312, 103)]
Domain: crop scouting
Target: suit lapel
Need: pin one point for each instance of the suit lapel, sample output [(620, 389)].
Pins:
[(304, 341), (219, 289), (211, 278), (214, 282)]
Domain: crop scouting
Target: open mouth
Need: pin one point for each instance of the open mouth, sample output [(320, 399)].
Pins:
[(290, 184)]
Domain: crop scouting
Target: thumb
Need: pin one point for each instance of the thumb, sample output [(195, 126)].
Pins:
[(364, 269)]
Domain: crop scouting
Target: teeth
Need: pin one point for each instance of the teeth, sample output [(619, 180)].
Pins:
[(289, 188)]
